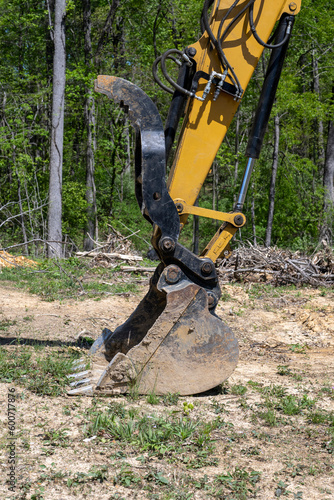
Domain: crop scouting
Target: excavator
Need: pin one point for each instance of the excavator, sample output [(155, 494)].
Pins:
[(174, 342)]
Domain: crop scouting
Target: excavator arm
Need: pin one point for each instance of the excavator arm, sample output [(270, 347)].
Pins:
[(174, 341)]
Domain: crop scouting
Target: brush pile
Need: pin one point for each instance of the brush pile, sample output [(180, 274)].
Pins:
[(116, 247), (280, 267)]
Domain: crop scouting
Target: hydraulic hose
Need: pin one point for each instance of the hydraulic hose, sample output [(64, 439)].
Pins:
[(258, 39)]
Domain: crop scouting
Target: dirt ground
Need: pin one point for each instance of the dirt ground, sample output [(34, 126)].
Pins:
[(293, 329)]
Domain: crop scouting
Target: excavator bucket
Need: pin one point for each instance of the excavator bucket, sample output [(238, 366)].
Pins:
[(171, 343)]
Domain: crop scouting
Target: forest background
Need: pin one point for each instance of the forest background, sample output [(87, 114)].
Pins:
[(293, 179)]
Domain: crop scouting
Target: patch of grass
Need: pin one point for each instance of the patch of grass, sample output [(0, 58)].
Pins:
[(56, 280), (152, 398), (126, 477), (273, 391), (292, 405), (218, 407), (170, 399), (255, 385), (328, 390), (329, 445), (5, 324), (284, 370), (117, 409), (45, 374), (237, 485), (97, 473), (238, 389), (322, 417), (158, 435), (28, 318), (225, 296), (269, 417), (298, 348), (56, 437)]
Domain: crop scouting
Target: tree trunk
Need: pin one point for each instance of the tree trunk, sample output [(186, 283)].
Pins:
[(91, 138), (273, 183), (106, 31), (326, 233), (320, 136), (57, 133)]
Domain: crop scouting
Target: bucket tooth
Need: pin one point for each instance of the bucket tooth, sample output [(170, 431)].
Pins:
[(78, 375), (82, 391), (80, 382)]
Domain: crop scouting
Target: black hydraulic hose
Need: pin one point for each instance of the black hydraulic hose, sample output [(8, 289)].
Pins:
[(269, 86), (202, 16), (157, 79), (166, 75), (176, 107), (155, 73), (222, 37), (218, 47), (258, 39)]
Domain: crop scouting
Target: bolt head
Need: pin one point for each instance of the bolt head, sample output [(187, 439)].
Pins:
[(206, 268), (238, 220), (191, 51), (212, 300), (167, 244), (173, 274), (292, 6)]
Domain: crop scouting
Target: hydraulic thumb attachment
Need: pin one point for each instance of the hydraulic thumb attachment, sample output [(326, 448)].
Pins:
[(173, 341)]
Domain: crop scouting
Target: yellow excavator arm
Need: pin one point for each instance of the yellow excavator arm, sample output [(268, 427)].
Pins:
[(174, 341), (208, 120)]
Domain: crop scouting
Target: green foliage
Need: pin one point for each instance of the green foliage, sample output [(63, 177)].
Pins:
[(137, 34), (95, 474), (45, 374), (56, 280), (238, 484), (158, 435)]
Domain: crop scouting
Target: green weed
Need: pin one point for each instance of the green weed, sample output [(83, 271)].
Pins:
[(218, 407), (157, 435), (238, 484), (56, 437), (126, 477), (187, 407), (328, 390), (238, 389), (298, 348), (152, 398), (43, 375), (56, 280), (291, 405), (269, 417), (170, 399), (5, 324), (97, 473)]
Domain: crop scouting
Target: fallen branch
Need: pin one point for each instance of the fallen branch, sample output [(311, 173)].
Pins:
[(138, 269), (109, 255)]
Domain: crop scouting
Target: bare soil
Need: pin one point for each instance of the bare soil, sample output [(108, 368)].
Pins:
[(283, 327)]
